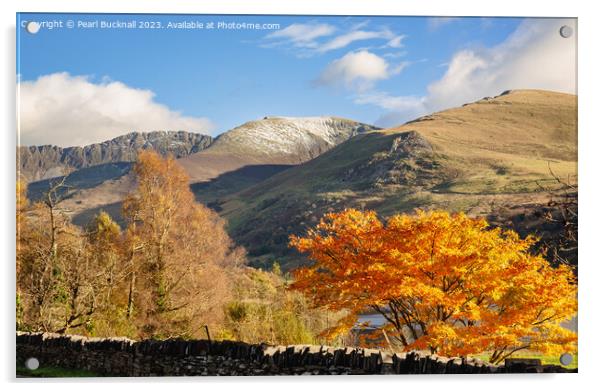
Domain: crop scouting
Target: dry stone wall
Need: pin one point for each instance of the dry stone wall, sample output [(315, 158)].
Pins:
[(125, 357)]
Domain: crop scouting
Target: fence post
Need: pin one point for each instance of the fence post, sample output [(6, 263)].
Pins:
[(207, 331)]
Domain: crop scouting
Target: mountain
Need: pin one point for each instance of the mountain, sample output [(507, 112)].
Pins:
[(238, 158), (488, 158), (43, 162), (277, 176), (271, 141)]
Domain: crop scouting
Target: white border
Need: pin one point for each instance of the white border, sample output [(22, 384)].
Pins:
[(590, 149)]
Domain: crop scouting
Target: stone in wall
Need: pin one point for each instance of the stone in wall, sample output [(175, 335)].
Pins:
[(176, 357)]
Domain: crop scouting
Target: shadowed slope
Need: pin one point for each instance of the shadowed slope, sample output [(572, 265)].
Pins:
[(237, 159), (272, 140), (477, 158)]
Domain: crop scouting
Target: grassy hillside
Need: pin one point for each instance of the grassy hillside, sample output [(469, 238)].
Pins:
[(486, 158), (270, 141), (85, 178), (239, 158)]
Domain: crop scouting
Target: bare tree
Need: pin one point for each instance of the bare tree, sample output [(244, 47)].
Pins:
[(562, 211), (60, 278)]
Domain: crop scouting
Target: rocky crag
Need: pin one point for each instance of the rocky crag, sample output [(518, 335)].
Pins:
[(47, 161)]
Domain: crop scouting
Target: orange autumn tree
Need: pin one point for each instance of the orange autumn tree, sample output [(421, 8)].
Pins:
[(178, 253), (447, 283)]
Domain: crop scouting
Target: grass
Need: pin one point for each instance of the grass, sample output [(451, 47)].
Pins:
[(492, 151), (54, 372)]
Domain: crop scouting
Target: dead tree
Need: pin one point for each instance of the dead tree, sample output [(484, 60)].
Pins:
[(562, 211)]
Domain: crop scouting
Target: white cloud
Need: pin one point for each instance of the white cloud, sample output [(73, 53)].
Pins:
[(358, 71), (66, 110), (344, 40), (303, 35), (395, 42), (393, 103), (399, 108), (534, 56), (435, 22), (309, 37), (395, 54), (399, 67)]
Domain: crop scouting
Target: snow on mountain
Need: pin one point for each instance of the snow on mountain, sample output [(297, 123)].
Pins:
[(299, 138)]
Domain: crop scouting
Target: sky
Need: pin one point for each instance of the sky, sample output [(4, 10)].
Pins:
[(86, 78)]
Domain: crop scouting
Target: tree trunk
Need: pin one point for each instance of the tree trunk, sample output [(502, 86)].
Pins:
[(131, 295)]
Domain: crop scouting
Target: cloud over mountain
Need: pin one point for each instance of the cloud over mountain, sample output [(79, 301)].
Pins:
[(534, 56), (66, 110)]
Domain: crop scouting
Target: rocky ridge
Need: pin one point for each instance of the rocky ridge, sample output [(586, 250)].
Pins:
[(47, 161)]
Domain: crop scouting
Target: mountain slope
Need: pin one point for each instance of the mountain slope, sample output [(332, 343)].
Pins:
[(272, 140), (237, 159), (481, 158), (48, 161)]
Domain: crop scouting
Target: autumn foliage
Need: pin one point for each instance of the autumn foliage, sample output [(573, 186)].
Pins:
[(58, 279), (169, 270), (165, 274), (176, 252), (447, 283)]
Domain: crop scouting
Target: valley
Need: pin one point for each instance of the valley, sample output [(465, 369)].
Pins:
[(277, 176)]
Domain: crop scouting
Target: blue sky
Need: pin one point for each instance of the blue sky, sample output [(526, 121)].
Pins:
[(379, 70)]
